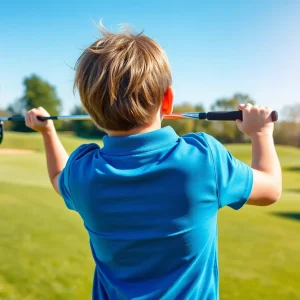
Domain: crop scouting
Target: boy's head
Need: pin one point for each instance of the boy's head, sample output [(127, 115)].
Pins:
[(124, 81)]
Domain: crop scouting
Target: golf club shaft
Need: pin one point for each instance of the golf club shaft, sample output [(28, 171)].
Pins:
[(213, 116)]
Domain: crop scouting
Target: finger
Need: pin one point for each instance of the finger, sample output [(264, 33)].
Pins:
[(241, 106), (31, 116), (27, 119), (248, 107), (42, 111), (256, 108), (34, 114), (34, 111), (268, 109), (239, 122)]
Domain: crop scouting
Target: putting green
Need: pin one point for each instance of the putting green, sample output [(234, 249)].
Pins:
[(44, 251)]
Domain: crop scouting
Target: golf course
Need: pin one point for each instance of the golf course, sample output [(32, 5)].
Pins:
[(44, 249)]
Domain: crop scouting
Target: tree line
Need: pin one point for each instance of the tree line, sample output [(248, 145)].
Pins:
[(38, 92)]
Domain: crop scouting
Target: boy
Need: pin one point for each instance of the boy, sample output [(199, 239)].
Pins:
[(148, 198)]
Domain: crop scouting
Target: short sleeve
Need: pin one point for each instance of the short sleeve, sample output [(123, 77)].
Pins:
[(68, 173), (234, 178)]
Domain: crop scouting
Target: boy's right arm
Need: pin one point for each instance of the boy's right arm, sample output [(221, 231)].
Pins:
[(56, 154), (267, 177)]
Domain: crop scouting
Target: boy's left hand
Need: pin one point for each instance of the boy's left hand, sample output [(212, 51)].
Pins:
[(32, 121)]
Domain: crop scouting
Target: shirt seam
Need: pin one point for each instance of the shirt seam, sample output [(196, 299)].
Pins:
[(140, 151), (69, 187), (247, 187), (215, 170)]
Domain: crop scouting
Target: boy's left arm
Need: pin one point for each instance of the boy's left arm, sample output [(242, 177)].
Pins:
[(55, 152)]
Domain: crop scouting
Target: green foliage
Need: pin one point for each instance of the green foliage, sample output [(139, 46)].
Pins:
[(37, 93), (3, 113), (40, 93), (85, 128), (232, 102), (287, 133), (227, 132), (6, 125), (291, 113), (183, 126)]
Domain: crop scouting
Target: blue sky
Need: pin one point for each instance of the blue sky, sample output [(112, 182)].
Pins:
[(215, 48)]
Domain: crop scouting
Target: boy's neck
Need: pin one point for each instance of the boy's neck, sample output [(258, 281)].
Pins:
[(143, 129)]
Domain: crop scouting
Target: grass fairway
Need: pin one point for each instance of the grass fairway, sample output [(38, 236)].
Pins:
[(44, 250), (33, 141)]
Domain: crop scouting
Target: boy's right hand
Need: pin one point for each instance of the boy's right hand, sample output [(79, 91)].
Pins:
[(34, 123), (257, 120)]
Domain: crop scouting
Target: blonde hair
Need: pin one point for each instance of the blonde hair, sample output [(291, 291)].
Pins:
[(122, 79)]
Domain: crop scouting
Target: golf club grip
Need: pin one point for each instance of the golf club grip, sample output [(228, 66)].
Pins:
[(47, 118), (233, 115)]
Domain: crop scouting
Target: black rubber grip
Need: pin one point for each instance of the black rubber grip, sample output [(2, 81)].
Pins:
[(47, 118), (16, 118), (1, 131), (233, 115)]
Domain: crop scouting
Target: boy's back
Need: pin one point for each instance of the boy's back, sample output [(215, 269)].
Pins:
[(150, 204), (149, 198)]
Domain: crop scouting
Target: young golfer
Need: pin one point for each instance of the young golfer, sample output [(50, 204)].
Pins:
[(149, 198)]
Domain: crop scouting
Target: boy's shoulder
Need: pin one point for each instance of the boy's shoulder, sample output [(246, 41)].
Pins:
[(82, 151), (203, 140), (216, 151), (200, 140)]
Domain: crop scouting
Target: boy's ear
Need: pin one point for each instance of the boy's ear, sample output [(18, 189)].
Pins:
[(167, 103)]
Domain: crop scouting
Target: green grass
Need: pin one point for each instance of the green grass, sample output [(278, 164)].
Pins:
[(44, 250), (33, 141)]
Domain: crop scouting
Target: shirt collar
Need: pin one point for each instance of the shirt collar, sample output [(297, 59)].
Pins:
[(139, 142)]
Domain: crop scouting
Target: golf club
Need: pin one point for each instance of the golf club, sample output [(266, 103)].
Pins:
[(212, 116)]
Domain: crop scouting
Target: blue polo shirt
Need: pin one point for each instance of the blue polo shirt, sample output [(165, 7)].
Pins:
[(149, 203)]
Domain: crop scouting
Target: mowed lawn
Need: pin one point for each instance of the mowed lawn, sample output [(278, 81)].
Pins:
[(44, 250)]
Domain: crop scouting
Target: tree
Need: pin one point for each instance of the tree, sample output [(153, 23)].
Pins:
[(287, 132), (85, 128), (37, 93), (227, 131), (185, 126), (291, 113), (7, 125)]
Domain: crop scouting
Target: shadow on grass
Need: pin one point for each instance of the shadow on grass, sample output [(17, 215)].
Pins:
[(292, 190), (292, 169), (288, 215)]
